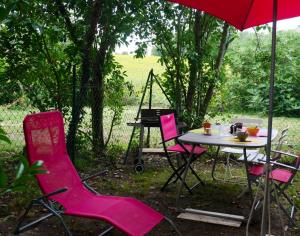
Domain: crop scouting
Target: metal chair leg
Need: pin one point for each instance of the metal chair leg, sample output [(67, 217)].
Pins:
[(178, 176), (59, 216), (197, 176), (108, 230), (180, 170), (19, 229), (173, 226)]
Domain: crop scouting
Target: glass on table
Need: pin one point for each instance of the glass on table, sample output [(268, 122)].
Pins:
[(225, 130), (207, 131)]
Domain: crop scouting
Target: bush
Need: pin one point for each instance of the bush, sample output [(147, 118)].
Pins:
[(248, 71)]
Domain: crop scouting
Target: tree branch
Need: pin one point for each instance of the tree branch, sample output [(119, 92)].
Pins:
[(70, 27)]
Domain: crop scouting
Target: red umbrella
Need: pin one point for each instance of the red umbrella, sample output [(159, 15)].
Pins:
[(243, 14)]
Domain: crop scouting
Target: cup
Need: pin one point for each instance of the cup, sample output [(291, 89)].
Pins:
[(217, 127), (224, 130), (207, 131)]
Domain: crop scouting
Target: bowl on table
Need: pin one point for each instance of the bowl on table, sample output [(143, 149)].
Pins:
[(242, 136), (252, 131)]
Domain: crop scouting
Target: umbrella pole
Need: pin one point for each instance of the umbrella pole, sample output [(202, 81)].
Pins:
[(266, 203)]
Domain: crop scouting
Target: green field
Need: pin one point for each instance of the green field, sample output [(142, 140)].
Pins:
[(137, 69)]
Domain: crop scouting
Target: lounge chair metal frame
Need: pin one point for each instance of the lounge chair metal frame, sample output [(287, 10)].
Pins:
[(50, 205)]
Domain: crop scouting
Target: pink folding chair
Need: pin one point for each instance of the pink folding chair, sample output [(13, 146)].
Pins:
[(282, 177), (169, 132), (257, 169), (66, 194)]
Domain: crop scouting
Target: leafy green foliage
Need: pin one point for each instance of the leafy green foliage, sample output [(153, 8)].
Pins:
[(192, 46), (116, 89), (38, 58), (41, 43), (24, 173), (248, 72), (3, 136)]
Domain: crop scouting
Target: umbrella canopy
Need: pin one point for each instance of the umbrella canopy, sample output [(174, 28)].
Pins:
[(243, 14)]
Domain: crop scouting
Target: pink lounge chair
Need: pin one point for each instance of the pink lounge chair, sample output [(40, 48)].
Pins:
[(66, 194), (169, 132)]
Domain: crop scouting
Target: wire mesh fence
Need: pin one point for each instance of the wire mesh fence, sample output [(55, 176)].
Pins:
[(11, 117)]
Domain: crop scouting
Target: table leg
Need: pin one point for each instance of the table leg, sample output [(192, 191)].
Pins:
[(215, 163), (247, 173), (184, 176)]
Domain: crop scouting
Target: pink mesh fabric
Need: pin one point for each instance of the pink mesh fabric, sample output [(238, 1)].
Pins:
[(256, 170), (285, 175), (45, 140), (281, 175), (168, 126), (178, 148)]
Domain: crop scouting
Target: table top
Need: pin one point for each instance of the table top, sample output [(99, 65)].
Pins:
[(198, 137)]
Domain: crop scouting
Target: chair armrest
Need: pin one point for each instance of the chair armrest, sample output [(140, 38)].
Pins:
[(283, 165), (62, 190), (101, 173), (284, 153), (176, 137), (275, 163)]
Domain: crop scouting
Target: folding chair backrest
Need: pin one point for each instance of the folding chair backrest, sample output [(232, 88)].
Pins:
[(168, 127), (248, 121), (297, 166), (280, 142), (45, 141)]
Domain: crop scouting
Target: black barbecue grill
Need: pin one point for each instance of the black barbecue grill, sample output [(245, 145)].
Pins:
[(150, 117)]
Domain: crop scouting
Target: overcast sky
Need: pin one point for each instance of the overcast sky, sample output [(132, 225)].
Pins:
[(292, 23)]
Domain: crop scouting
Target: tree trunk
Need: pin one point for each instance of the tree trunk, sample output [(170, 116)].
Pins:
[(194, 63), (98, 106), (219, 60), (178, 91), (80, 98), (85, 46)]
